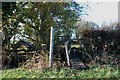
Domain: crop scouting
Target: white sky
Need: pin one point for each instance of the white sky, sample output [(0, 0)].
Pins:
[(102, 10)]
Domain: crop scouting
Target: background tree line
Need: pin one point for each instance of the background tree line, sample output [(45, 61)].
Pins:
[(31, 22)]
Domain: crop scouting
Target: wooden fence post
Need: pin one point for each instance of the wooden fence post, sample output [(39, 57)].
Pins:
[(51, 47), (1, 50), (67, 53)]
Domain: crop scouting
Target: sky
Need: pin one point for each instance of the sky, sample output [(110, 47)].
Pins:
[(101, 11)]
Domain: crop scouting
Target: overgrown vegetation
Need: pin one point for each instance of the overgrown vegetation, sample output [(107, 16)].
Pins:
[(26, 26), (26, 33), (96, 72)]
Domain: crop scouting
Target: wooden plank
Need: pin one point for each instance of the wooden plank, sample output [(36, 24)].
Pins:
[(51, 47), (77, 63)]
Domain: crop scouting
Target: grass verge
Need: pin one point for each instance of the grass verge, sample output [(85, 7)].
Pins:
[(97, 72)]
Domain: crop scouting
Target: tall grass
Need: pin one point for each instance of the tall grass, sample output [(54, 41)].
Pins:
[(96, 72)]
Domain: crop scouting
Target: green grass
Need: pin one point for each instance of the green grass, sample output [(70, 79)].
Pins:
[(107, 72)]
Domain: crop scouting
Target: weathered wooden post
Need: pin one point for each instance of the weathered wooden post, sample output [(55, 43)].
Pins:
[(1, 54), (1, 50), (51, 46), (67, 53)]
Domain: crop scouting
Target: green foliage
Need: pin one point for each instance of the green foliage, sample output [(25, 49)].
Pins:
[(37, 18), (31, 21)]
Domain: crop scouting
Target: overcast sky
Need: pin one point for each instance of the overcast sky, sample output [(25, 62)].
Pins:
[(101, 11)]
